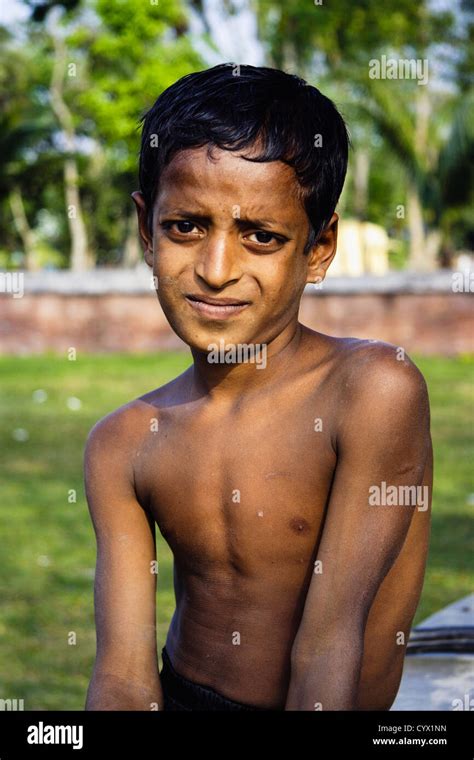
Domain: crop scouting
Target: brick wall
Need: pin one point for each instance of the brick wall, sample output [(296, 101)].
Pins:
[(121, 313)]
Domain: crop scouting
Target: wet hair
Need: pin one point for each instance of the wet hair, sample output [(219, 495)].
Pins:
[(239, 107)]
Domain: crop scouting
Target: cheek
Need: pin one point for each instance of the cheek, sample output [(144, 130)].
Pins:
[(281, 280), (168, 266)]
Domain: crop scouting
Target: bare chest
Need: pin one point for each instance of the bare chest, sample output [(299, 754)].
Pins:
[(245, 490)]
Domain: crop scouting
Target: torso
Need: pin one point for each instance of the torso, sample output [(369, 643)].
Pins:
[(240, 493)]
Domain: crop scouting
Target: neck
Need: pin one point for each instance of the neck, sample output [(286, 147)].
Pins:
[(227, 381)]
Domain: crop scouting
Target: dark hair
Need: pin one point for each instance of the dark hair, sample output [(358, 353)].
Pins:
[(233, 107)]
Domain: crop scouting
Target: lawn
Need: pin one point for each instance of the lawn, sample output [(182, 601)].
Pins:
[(47, 547)]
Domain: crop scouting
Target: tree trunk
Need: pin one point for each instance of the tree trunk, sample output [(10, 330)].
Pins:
[(417, 258), (132, 249), (361, 183), (423, 257), (81, 257), (23, 228)]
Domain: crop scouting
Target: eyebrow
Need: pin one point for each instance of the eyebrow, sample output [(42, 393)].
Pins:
[(242, 222)]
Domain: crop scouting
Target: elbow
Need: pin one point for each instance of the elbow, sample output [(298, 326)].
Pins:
[(345, 639), (110, 692)]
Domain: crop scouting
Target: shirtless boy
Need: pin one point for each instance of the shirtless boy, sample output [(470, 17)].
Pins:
[(297, 571)]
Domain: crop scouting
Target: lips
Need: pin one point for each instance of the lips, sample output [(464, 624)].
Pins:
[(216, 308)]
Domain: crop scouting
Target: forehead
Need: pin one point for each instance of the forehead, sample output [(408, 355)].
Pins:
[(225, 178)]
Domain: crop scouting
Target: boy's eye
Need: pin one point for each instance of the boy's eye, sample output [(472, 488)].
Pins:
[(184, 227), (263, 237)]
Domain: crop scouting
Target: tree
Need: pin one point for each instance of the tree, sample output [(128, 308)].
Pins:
[(26, 137), (80, 258), (334, 44)]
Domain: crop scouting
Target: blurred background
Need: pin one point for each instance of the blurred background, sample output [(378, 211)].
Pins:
[(81, 331)]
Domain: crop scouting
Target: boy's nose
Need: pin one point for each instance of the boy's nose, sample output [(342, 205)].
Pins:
[(218, 261)]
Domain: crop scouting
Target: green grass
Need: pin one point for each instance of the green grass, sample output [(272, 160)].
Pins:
[(47, 547)]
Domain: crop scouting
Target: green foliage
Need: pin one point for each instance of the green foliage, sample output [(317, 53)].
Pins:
[(127, 60), (332, 44), (346, 33), (121, 54)]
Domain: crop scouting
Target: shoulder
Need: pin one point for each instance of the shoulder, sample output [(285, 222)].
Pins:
[(130, 423), (382, 388), (384, 371), (360, 371), (120, 434), (362, 366), (116, 428), (116, 440)]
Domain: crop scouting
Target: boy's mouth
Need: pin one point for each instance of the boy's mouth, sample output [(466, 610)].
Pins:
[(217, 308)]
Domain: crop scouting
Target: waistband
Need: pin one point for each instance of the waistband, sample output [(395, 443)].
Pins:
[(181, 694)]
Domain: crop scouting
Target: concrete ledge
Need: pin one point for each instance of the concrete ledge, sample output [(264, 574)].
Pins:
[(117, 310), (104, 281), (393, 283)]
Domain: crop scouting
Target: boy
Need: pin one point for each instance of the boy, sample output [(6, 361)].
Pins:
[(294, 492)]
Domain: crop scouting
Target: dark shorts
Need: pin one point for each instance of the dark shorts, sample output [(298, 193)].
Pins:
[(181, 694)]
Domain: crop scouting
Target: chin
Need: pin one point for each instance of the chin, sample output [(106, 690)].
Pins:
[(199, 333), (204, 340), (202, 337)]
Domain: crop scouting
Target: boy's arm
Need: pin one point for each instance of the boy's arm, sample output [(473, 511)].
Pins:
[(126, 671), (384, 436)]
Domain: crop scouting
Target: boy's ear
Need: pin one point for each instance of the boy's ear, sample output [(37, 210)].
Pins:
[(145, 237), (323, 252)]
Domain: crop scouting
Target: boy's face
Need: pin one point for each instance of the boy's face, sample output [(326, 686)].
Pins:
[(230, 230)]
